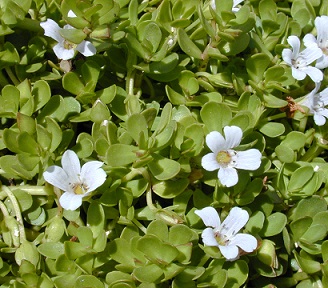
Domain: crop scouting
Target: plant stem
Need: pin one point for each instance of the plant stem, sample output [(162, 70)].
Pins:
[(12, 76), (17, 213), (312, 152), (139, 225)]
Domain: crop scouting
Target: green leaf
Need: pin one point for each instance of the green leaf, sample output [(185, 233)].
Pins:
[(137, 127), (73, 35), (274, 224), (256, 65), (170, 188), (157, 251), (72, 83), (163, 168), (215, 116), (96, 218), (41, 92), (86, 281), (299, 178), (51, 249), (149, 273), (27, 251), (272, 129), (9, 101), (187, 45), (121, 155)]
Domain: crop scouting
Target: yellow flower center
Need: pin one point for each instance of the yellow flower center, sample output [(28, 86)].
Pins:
[(221, 239), (79, 188), (223, 158), (69, 45)]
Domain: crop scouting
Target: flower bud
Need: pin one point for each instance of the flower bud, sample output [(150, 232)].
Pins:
[(267, 254), (169, 217)]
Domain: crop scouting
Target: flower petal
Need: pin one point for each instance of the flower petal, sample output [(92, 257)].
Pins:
[(324, 96), (319, 119), (298, 74), (71, 164), (236, 2), (311, 53), (230, 252), (93, 175), (295, 42), (322, 62), (209, 216), (236, 220), (287, 56), (314, 73), (216, 142), (309, 40), (71, 201), (62, 53), (246, 242), (321, 24), (51, 29), (209, 162), (57, 177), (228, 176), (233, 135), (248, 160), (208, 237), (86, 48)]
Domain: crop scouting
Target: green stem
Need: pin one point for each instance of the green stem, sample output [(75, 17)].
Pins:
[(32, 190), (149, 197), (133, 173), (12, 76), (203, 260), (4, 210), (139, 225), (277, 116), (312, 152), (17, 213)]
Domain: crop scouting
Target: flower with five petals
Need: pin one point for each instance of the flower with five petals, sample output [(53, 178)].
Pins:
[(300, 61), (224, 158), (65, 49), (76, 182), (225, 235), (321, 41), (316, 103)]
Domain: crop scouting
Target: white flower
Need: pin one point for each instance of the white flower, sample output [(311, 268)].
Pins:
[(321, 24), (300, 61), (64, 49), (316, 103), (235, 3), (76, 182), (225, 236), (224, 158)]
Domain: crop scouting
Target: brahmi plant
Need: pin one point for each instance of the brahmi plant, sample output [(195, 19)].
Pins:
[(163, 143)]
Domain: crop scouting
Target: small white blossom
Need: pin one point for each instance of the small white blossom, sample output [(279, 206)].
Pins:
[(225, 236), (64, 49), (300, 61), (234, 8), (227, 160), (76, 182), (316, 103), (321, 24)]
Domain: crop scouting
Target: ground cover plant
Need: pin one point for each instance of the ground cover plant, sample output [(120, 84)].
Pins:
[(163, 143)]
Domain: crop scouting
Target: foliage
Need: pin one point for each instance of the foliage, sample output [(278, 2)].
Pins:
[(166, 73)]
